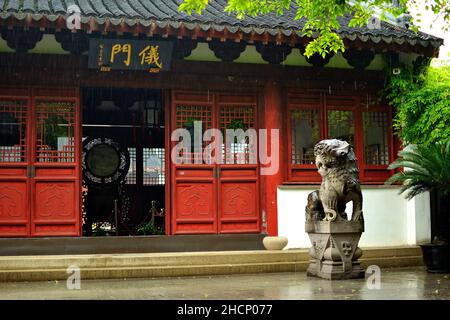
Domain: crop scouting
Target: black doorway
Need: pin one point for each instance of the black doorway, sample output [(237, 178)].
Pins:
[(134, 119)]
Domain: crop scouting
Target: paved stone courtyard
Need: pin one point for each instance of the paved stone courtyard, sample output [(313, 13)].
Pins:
[(404, 283)]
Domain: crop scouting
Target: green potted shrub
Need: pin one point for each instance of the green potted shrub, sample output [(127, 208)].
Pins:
[(149, 228), (427, 168)]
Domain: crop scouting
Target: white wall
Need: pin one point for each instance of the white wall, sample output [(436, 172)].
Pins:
[(390, 220)]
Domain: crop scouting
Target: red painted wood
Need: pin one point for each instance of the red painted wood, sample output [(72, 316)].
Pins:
[(201, 200), (238, 184), (14, 184), (168, 167), (193, 187), (273, 119), (55, 201), (40, 196), (307, 174)]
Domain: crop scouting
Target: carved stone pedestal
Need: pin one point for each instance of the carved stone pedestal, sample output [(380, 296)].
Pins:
[(334, 252)]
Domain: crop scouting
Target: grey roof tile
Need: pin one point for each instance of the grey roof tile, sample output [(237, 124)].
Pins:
[(98, 6), (138, 7), (12, 5), (86, 7), (28, 6), (145, 11), (42, 6), (58, 6)]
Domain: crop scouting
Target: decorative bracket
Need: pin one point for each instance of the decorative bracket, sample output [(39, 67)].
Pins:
[(227, 51), (183, 48), (359, 59), (317, 60), (21, 40), (74, 42), (272, 53)]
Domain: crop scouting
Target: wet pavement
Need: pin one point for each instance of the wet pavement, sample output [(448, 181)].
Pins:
[(404, 283)]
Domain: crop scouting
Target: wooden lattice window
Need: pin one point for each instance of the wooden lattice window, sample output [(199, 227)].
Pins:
[(186, 116), (376, 138), (55, 129), (154, 166), (341, 125), (360, 121), (305, 133), (131, 175), (13, 120), (238, 118)]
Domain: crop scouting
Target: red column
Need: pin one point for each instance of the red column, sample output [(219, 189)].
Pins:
[(273, 119)]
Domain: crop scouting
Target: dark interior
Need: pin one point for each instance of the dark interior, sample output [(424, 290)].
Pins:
[(134, 118)]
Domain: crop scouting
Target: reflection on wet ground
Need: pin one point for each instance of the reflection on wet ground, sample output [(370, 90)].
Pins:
[(404, 283)]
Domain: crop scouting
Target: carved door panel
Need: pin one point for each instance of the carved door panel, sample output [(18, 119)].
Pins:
[(55, 179), (14, 163), (193, 185), (215, 198), (39, 163), (238, 194)]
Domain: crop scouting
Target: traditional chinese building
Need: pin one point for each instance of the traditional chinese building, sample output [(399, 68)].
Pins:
[(91, 92)]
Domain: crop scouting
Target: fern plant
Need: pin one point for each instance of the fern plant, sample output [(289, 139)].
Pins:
[(426, 168)]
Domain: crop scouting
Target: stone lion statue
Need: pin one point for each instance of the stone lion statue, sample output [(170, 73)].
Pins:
[(336, 163)]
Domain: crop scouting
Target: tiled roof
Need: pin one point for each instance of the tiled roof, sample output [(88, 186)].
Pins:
[(165, 13)]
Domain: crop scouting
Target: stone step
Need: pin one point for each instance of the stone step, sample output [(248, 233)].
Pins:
[(117, 266)]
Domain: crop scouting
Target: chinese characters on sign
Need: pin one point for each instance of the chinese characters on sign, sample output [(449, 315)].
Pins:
[(110, 54)]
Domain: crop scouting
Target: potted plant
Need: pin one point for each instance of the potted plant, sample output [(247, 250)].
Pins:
[(149, 228), (427, 168)]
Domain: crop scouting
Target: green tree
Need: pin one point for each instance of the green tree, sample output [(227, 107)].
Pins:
[(422, 104), (323, 17)]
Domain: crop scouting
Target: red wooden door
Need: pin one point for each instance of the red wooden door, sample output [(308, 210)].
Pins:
[(193, 185), (40, 175), (14, 163), (238, 194), (55, 178), (214, 198)]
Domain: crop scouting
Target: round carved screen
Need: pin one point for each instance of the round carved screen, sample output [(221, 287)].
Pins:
[(104, 161)]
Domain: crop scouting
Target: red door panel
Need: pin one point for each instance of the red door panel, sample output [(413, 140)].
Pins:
[(13, 208), (54, 210), (55, 182), (238, 192), (193, 187), (14, 163), (238, 201), (39, 163), (195, 208), (216, 198)]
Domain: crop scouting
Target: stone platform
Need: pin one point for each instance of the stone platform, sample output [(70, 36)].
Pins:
[(176, 264)]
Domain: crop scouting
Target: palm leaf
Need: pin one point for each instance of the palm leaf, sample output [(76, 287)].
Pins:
[(426, 168)]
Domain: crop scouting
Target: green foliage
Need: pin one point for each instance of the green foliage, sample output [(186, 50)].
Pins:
[(322, 16), (235, 124), (427, 168), (149, 228), (422, 104), (189, 123)]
